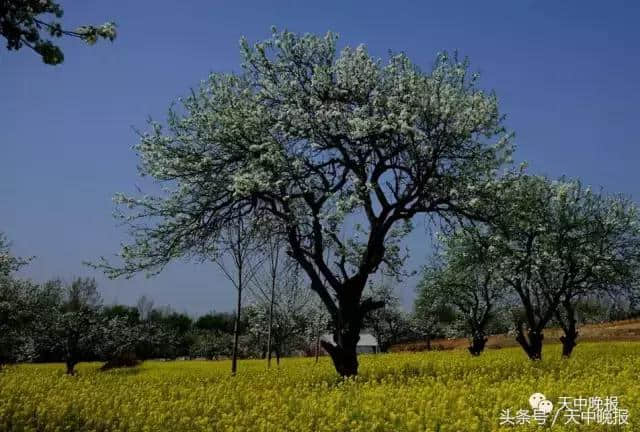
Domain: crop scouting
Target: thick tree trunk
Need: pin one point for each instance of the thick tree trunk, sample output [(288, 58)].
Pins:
[(347, 325), (532, 344), (568, 343), (347, 322), (344, 353), (569, 339), (71, 364), (478, 343)]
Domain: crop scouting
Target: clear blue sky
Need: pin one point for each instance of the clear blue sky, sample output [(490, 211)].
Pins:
[(566, 74)]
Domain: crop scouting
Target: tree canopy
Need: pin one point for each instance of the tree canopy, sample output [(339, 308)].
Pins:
[(312, 140), (551, 243)]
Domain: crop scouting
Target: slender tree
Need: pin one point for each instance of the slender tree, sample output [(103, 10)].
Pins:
[(239, 264), (274, 280), (324, 144)]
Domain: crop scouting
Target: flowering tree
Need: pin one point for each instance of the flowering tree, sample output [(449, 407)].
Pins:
[(339, 151), (280, 300), (17, 314), (389, 324), (239, 264), (8, 262), (281, 313), (595, 240), (73, 327), (552, 243), (18, 307), (464, 276)]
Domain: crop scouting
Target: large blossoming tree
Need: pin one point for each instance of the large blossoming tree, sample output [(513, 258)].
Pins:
[(337, 151)]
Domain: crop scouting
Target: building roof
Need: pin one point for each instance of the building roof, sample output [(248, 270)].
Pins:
[(366, 339)]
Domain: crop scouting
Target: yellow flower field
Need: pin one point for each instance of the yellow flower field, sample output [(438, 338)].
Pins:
[(435, 391)]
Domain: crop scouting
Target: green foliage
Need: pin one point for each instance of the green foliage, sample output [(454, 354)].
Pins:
[(388, 324), (220, 321), (8, 262), (22, 24)]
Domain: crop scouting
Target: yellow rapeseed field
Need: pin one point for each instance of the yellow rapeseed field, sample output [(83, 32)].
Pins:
[(435, 391)]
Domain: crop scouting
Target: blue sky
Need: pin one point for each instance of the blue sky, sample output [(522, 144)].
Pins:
[(565, 74)]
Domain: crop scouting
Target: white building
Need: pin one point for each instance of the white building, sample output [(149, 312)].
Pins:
[(366, 344)]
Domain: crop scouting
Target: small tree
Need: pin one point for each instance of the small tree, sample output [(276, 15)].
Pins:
[(389, 324), (319, 322), (282, 315), (431, 315), (144, 306), (272, 282), (464, 277), (73, 329), (120, 341), (239, 265)]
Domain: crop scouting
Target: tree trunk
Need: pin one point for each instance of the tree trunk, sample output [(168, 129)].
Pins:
[(347, 324), (568, 343), (71, 364), (344, 354), (317, 344), (532, 344), (236, 333), (478, 343), (269, 337), (570, 332)]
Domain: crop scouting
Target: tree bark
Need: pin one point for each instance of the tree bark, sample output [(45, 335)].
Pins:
[(478, 343), (532, 343), (71, 364), (344, 354), (347, 325), (317, 344), (569, 339), (236, 334), (271, 305)]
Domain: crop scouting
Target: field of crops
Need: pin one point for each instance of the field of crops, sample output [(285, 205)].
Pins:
[(434, 391)]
